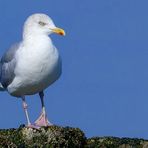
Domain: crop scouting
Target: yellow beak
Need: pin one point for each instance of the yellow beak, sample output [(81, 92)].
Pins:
[(59, 31)]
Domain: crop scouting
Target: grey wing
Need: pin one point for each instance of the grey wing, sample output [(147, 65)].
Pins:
[(7, 66)]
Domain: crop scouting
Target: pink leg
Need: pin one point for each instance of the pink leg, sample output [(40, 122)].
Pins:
[(42, 120), (26, 113)]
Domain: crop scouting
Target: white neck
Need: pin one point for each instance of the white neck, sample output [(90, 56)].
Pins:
[(37, 39)]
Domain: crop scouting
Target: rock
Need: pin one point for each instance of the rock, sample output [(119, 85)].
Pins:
[(115, 142), (52, 136), (62, 137)]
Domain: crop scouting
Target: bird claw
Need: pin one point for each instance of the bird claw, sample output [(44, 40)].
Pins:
[(42, 121), (33, 126)]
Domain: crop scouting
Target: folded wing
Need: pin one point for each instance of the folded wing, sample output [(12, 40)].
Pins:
[(7, 66)]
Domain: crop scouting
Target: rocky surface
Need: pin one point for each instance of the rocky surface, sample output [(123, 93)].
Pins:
[(114, 142), (62, 137)]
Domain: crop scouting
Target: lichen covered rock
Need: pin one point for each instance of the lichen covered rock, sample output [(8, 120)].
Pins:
[(62, 137), (115, 142), (52, 136)]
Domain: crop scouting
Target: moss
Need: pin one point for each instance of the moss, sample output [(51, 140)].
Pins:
[(62, 137), (114, 142), (52, 136)]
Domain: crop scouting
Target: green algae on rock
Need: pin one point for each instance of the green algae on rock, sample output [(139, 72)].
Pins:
[(62, 137), (115, 142), (52, 136)]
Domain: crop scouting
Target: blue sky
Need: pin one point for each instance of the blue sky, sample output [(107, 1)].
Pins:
[(104, 85)]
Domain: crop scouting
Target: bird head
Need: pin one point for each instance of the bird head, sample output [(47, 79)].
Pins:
[(41, 24)]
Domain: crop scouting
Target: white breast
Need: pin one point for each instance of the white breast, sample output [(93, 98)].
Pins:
[(38, 66)]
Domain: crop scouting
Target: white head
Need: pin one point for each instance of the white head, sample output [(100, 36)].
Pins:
[(39, 23)]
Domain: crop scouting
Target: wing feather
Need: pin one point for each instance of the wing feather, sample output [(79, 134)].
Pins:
[(7, 66)]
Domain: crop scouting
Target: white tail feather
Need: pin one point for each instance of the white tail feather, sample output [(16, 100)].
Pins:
[(1, 87)]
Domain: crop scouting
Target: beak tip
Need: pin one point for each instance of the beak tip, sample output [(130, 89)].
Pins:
[(59, 31), (63, 33)]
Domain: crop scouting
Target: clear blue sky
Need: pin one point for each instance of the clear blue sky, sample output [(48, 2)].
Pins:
[(104, 86)]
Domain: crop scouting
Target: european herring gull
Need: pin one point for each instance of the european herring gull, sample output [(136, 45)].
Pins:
[(33, 64)]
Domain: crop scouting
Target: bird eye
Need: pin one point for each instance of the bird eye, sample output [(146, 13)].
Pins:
[(42, 23)]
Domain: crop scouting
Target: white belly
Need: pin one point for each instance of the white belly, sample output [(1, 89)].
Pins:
[(35, 71)]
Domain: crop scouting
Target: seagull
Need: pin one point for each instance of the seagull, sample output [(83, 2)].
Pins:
[(30, 66)]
